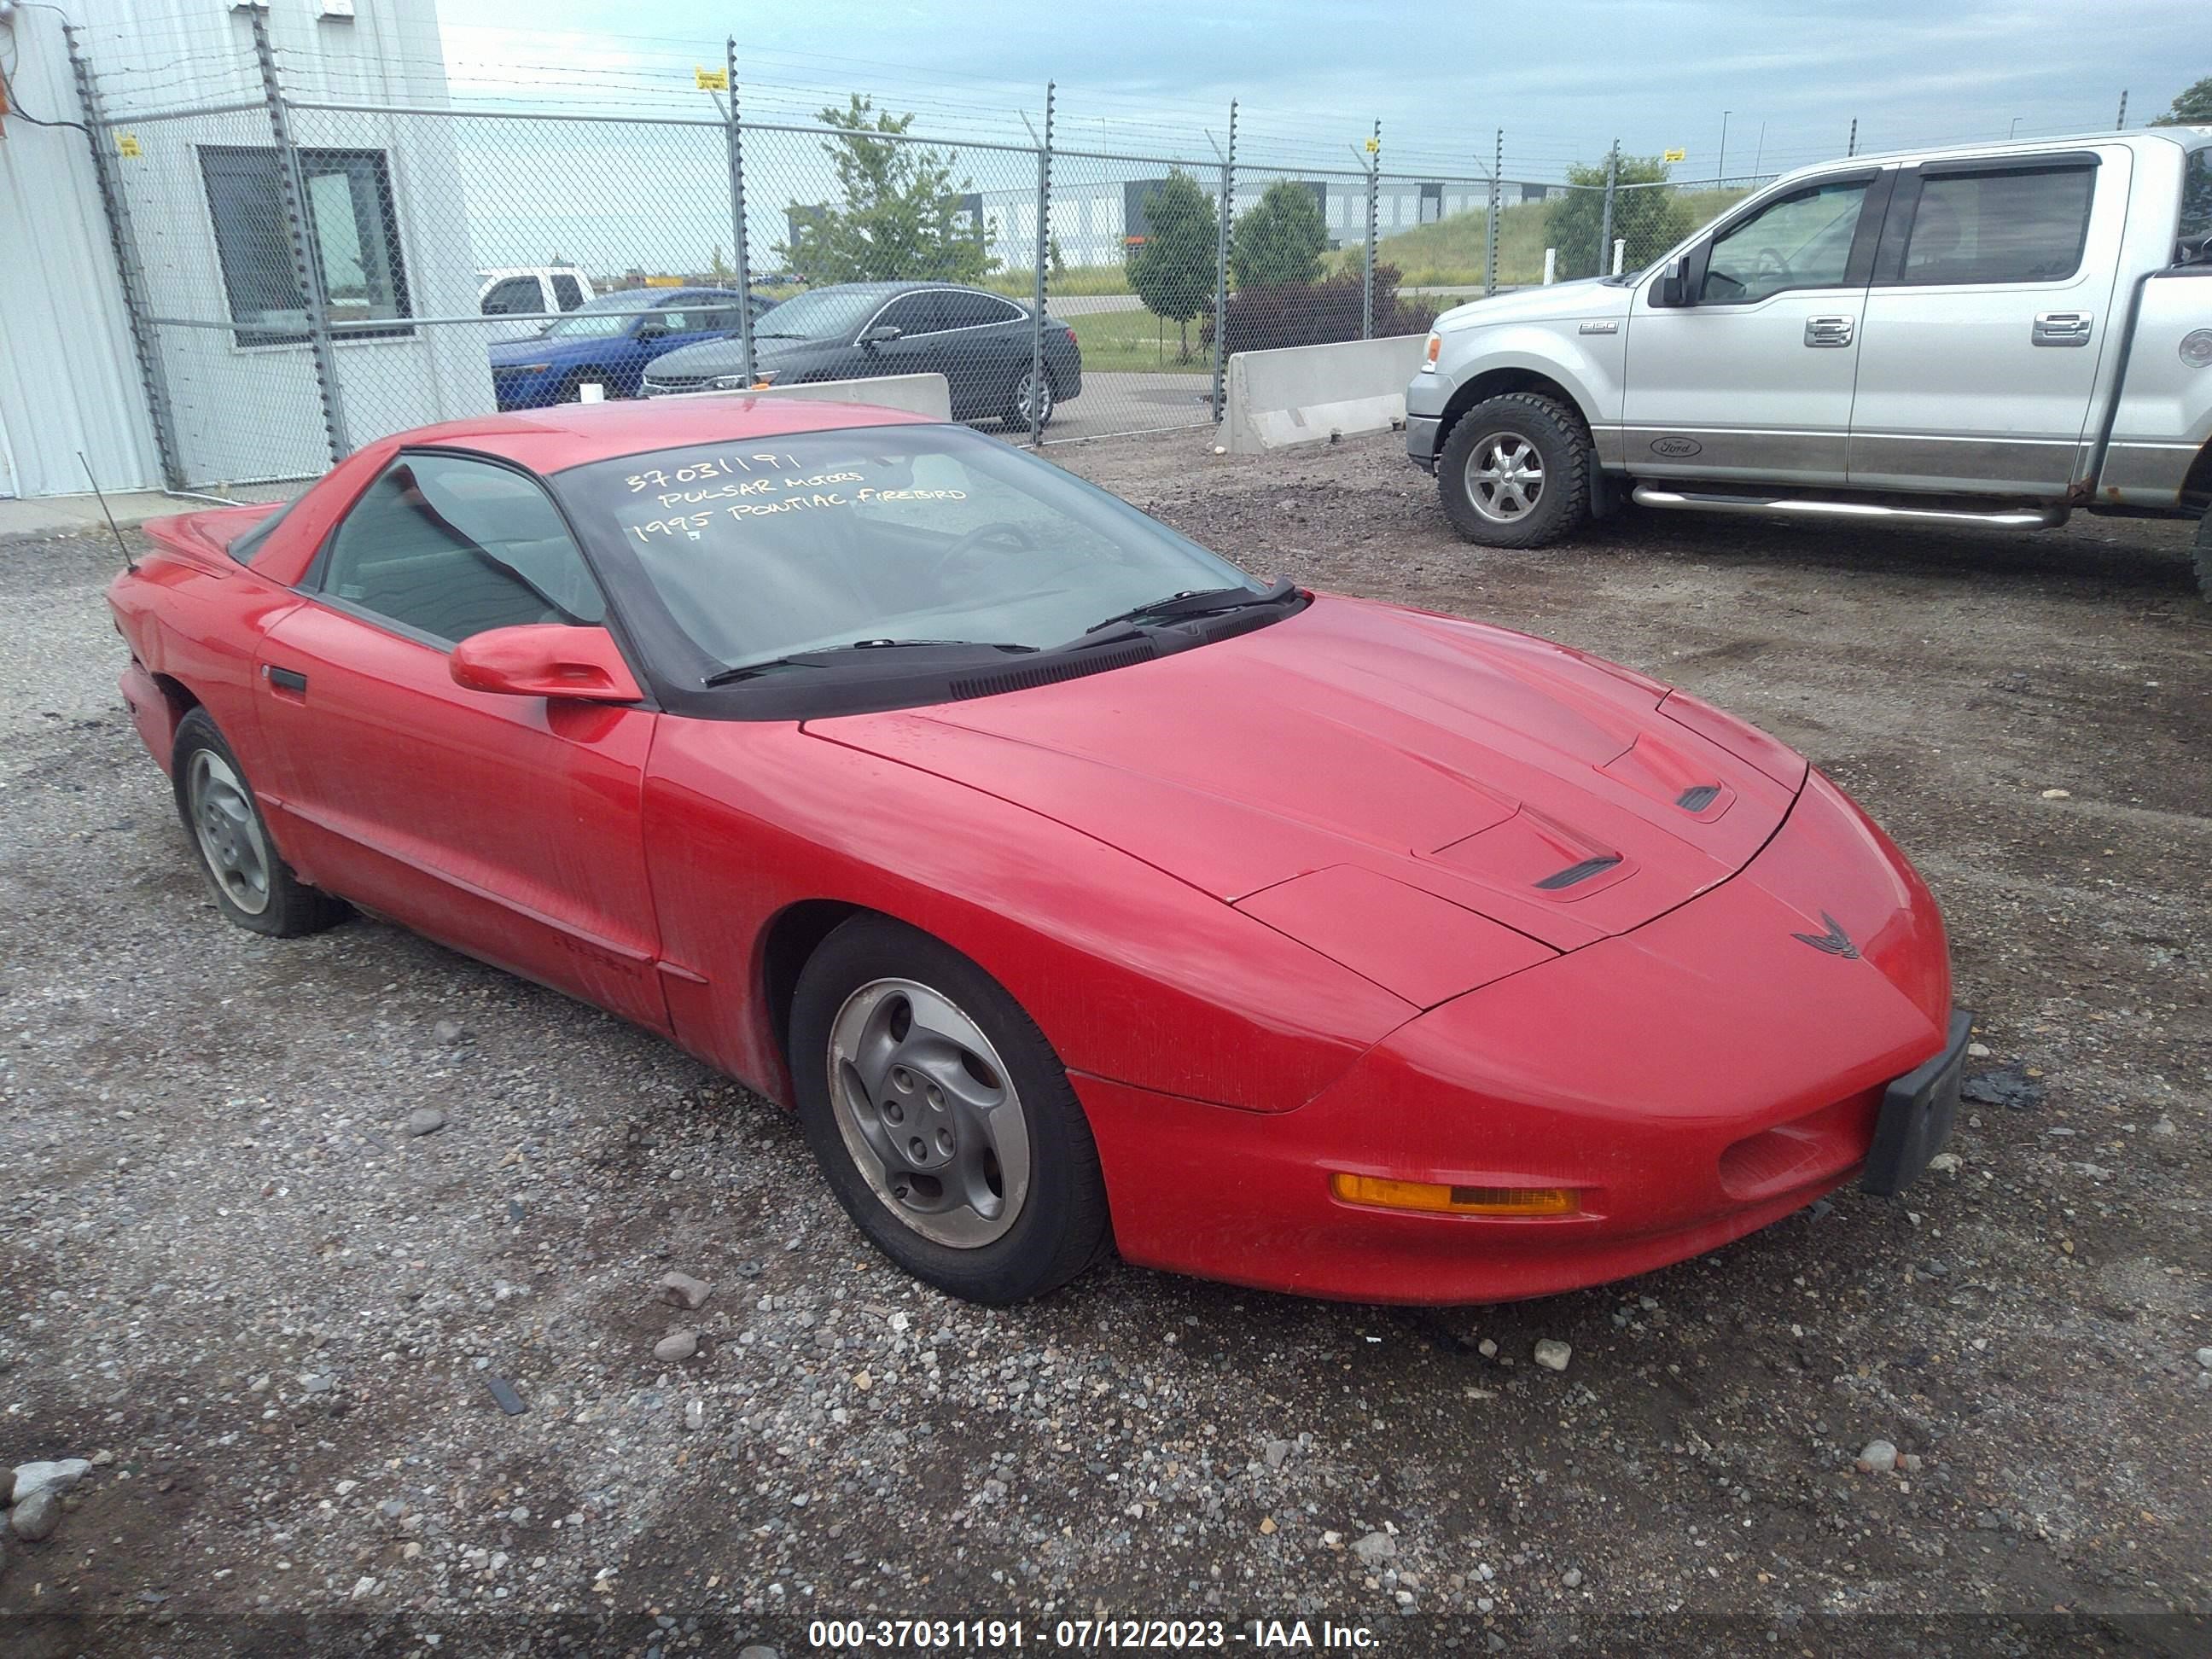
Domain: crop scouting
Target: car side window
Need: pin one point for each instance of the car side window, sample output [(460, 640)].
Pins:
[(448, 546), (1803, 240), (511, 296), (975, 310), (566, 293), (911, 314), (2001, 225), (720, 320)]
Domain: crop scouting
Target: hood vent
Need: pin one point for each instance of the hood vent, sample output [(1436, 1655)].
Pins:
[(1072, 667), (1583, 872), (1697, 799)]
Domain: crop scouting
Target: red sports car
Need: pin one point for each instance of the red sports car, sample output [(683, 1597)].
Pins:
[(1078, 890)]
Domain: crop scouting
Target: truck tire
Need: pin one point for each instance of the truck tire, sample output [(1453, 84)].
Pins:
[(2204, 557), (1515, 471)]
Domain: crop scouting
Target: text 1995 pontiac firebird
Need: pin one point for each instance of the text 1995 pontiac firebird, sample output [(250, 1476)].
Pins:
[(1078, 890)]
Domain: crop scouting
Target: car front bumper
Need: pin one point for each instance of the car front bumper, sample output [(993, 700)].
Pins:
[(1421, 438), (1691, 1080)]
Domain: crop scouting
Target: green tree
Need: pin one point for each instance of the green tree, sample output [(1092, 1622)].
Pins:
[(1280, 240), (1650, 221), (716, 269), (901, 217), (2192, 107), (1171, 270)]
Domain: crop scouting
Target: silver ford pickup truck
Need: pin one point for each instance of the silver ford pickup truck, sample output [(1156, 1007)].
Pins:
[(1999, 335)]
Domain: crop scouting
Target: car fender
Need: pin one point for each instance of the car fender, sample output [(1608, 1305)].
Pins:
[(1131, 974), (1586, 367)]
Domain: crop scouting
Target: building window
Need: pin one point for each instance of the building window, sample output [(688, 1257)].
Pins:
[(351, 228)]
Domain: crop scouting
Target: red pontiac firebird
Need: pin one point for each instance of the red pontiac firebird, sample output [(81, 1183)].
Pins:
[(1078, 890)]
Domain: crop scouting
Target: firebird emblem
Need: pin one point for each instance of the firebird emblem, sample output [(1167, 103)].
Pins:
[(1836, 942)]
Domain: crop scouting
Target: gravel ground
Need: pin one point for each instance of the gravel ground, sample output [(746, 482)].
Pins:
[(276, 1322)]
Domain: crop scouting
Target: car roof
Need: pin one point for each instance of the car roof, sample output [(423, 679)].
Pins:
[(2012, 149), (554, 439)]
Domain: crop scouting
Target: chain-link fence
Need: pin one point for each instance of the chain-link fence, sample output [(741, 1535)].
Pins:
[(325, 255)]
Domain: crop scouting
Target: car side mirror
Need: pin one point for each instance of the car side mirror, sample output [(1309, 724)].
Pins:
[(1672, 288), (881, 334), (545, 660)]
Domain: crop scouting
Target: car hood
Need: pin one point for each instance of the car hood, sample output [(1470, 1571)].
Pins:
[(1585, 297), (1365, 778), (725, 356)]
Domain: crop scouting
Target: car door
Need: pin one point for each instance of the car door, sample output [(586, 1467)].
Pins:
[(1752, 376), (1991, 303), (505, 826), (917, 350), (513, 296), (987, 349)]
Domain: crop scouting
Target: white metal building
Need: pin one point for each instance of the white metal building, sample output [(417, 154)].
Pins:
[(198, 191)]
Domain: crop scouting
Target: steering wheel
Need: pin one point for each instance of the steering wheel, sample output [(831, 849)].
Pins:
[(964, 549), (1770, 263)]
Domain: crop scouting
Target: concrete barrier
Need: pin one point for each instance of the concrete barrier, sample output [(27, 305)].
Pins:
[(1310, 394), (921, 394)]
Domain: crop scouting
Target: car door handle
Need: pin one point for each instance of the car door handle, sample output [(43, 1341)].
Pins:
[(286, 679), (2061, 328), (1827, 331)]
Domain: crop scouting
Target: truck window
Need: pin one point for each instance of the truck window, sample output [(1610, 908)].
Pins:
[(2193, 246), (1999, 227), (566, 291), (1803, 240)]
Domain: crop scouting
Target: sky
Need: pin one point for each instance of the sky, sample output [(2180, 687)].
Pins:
[(1562, 78)]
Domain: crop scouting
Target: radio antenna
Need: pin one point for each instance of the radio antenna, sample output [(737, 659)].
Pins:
[(129, 563)]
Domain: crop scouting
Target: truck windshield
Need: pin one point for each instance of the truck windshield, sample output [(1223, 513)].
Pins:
[(2194, 244)]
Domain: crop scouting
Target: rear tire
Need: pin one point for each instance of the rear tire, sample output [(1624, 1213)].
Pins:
[(1515, 471), (253, 887), (1017, 404), (941, 1117)]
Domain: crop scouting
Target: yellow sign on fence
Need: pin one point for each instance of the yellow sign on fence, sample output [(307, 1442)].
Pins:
[(711, 80), (126, 144), (1675, 155)]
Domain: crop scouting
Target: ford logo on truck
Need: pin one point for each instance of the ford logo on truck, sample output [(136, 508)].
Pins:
[(1678, 447)]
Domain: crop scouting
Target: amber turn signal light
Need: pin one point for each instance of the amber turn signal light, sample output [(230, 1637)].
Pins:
[(1435, 1199)]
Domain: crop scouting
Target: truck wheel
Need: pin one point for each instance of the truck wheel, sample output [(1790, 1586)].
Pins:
[(2204, 557), (1514, 471)]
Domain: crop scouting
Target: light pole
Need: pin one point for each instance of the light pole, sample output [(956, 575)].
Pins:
[(1723, 161), (2014, 131)]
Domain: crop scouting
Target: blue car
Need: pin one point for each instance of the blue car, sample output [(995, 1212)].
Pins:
[(600, 342)]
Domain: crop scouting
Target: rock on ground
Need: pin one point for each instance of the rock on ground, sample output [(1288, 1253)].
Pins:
[(35, 1517), (58, 1476), (681, 1291), (1553, 1355)]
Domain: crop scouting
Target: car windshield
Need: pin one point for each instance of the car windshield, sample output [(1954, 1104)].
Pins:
[(822, 313), (590, 320), (757, 549)]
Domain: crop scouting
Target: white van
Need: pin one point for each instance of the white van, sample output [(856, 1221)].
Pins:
[(529, 290)]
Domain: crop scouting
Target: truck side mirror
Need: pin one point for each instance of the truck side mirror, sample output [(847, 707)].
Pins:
[(1672, 288)]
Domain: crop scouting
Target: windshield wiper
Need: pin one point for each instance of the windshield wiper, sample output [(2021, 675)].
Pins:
[(1198, 602), (822, 659)]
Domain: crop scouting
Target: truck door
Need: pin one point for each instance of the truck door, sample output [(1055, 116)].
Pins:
[(1750, 375), (1991, 304)]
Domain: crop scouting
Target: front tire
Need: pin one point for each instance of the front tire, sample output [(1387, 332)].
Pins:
[(1515, 471), (941, 1117), (253, 887)]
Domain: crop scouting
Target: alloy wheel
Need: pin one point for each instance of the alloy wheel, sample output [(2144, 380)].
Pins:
[(229, 830), (1504, 477), (929, 1112)]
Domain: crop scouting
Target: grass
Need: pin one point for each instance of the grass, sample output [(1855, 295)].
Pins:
[(1451, 252), (1135, 340), (1072, 280)]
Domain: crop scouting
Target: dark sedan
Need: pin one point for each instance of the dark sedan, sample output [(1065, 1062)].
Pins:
[(978, 341)]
